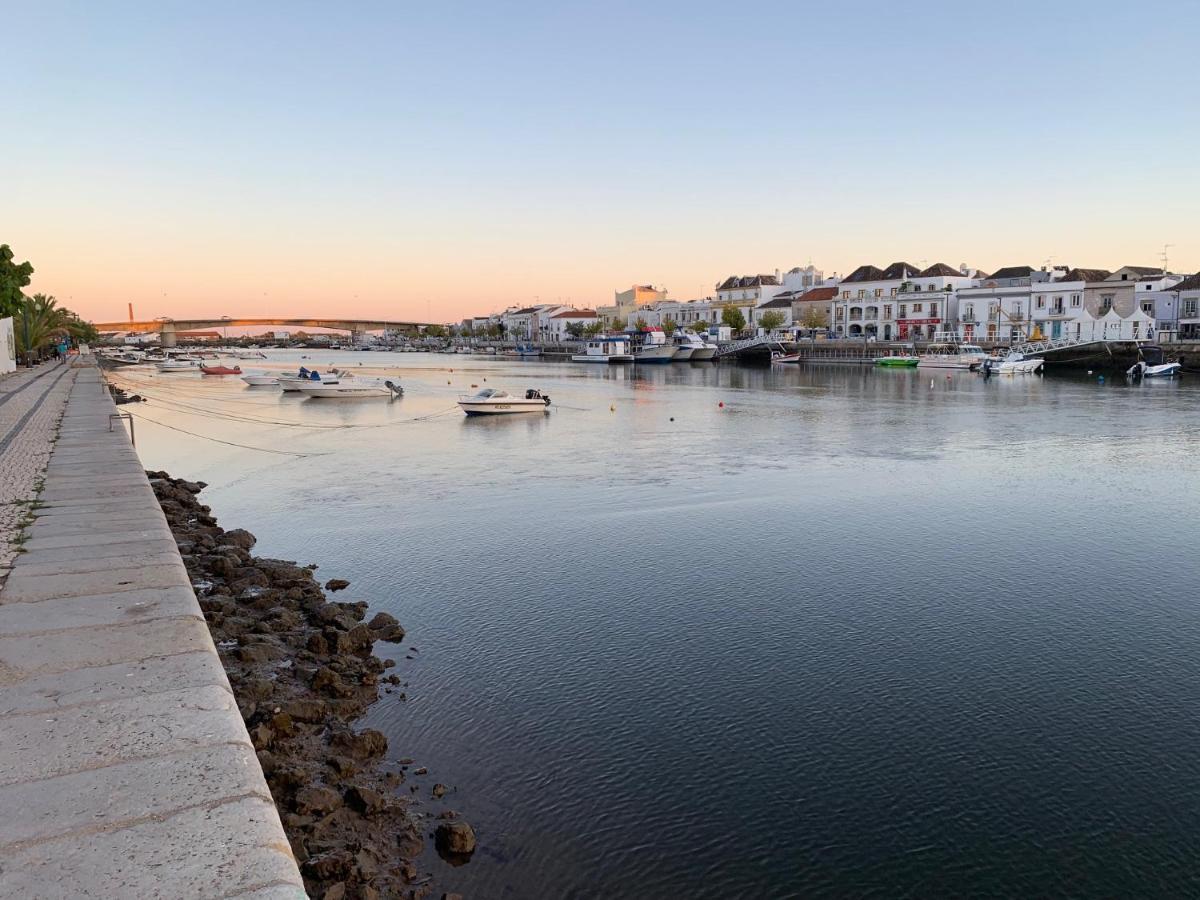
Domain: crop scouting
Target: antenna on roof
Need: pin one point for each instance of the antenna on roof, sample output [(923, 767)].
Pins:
[(1163, 256)]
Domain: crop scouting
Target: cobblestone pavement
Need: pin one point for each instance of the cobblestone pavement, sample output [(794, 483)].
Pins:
[(31, 405)]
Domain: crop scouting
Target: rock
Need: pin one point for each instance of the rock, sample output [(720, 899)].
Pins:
[(335, 892), (455, 837), (439, 791), (344, 766), (360, 745), (239, 537), (281, 724), (360, 637), (452, 897), (328, 866), (382, 620), (366, 801), (306, 710), (261, 736), (336, 584), (317, 799), (421, 771)]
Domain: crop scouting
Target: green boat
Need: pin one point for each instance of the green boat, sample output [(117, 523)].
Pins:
[(907, 361)]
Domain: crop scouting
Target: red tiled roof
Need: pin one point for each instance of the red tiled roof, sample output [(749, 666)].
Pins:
[(821, 293), (576, 314)]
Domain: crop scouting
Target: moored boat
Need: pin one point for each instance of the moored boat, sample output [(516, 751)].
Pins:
[(1152, 363), (260, 379), (1011, 364), (650, 346), (351, 388), (491, 402), (293, 383), (221, 370), (899, 360), (177, 365), (949, 354), (601, 349)]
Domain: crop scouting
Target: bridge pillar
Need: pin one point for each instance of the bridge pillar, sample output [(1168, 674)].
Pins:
[(166, 334)]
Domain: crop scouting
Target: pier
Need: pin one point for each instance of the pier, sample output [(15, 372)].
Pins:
[(125, 766)]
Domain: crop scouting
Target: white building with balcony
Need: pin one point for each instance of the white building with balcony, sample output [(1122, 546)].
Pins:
[(900, 302)]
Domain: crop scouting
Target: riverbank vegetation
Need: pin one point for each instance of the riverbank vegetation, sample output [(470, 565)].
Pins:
[(39, 323)]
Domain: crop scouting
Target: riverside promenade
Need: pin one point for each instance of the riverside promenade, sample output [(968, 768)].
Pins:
[(125, 767)]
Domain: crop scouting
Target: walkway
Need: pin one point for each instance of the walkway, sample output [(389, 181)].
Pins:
[(125, 767), (31, 402)]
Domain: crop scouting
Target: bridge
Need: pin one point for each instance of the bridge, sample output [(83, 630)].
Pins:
[(168, 328)]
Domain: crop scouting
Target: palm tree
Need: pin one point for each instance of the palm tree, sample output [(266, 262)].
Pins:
[(40, 322)]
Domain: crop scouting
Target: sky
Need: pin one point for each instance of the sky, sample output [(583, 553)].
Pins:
[(428, 161)]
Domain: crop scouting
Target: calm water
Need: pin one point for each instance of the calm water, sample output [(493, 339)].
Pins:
[(857, 633)]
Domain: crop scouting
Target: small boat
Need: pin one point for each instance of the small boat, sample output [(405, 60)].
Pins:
[(691, 347), (605, 350), (177, 365), (1012, 364), (491, 402), (1152, 363), (898, 360), (221, 370), (260, 379), (524, 350), (786, 358), (651, 346), (305, 376), (258, 354), (351, 388), (950, 354)]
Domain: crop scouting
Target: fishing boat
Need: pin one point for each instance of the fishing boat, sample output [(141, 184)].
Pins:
[(524, 350), (305, 376), (351, 388), (260, 379), (950, 354), (492, 402), (605, 350), (651, 346), (221, 370)]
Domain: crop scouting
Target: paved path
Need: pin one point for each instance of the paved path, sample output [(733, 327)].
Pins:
[(31, 402), (125, 767)]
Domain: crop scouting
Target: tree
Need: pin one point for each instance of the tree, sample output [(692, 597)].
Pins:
[(13, 277), (771, 320), (641, 324), (436, 331), (41, 322), (668, 326), (575, 329), (814, 317), (593, 328), (732, 316)]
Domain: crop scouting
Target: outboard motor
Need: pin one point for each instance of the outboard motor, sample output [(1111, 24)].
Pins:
[(547, 399), (396, 390)]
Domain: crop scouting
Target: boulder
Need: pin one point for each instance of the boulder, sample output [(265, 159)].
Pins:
[(360, 745), (366, 801), (455, 837), (336, 584), (317, 799)]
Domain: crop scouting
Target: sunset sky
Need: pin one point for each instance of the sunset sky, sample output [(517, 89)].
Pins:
[(433, 160)]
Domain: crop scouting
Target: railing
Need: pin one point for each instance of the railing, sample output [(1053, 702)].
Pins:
[(747, 344)]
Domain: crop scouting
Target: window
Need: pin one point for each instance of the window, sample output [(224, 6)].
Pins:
[(917, 307), (1041, 302), (894, 290), (1148, 307), (1189, 307), (969, 312), (878, 292), (862, 293), (1106, 302), (1018, 310), (903, 310), (845, 295), (933, 310), (1075, 300), (887, 310)]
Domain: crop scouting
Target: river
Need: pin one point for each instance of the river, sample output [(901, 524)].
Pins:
[(713, 631)]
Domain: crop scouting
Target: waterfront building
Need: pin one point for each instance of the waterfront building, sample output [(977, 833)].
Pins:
[(1187, 302), (1089, 305), (900, 302), (814, 308), (558, 323), (626, 303), (529, 322)]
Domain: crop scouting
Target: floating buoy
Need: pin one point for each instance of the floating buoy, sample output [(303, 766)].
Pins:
[(447, 381), (1102, 379), (474, 385), (672, 418), (947, 376), (721, 405), (612, 407)]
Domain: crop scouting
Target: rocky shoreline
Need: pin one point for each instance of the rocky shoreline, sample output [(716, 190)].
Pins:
[(302, 670)]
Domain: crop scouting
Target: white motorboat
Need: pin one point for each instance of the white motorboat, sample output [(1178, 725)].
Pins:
[(692, 347), (293, 383), (1012, 364), (255, 354), (605, 350), (651, 346), (952, 355), (1152, 363), (260, 379), (491, 402), (178, 365), (351, 388)]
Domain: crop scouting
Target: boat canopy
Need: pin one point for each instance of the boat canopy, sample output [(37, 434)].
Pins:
[(490, 392)]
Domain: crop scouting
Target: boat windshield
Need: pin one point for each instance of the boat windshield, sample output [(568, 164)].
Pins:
[(490, 392)]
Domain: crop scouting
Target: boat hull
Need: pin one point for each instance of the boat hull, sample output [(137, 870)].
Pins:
[(612, 359), (344, 391), (704, 354), (506, 407), (654, 356), (683, 354), (261, 380), (897, 362)]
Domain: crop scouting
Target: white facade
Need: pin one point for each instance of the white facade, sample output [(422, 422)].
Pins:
[(558, 324), (8, 346)]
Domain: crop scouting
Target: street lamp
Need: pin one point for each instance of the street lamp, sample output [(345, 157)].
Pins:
[(225, 328)]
